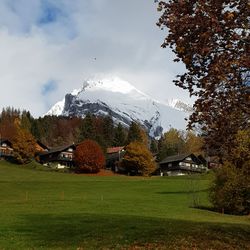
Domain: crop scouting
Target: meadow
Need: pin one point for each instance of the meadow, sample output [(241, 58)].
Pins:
[(48, 210)]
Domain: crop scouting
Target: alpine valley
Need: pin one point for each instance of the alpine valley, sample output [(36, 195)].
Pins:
[(124, 103)]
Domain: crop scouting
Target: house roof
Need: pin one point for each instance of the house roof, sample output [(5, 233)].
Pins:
[(42, 145), (57, 149), (114, 150), (5, 140), (174, 158)]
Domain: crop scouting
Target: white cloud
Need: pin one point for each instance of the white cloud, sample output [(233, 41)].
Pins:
[(121, 35)]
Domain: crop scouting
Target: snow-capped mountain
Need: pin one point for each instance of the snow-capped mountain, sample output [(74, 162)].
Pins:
[(123, 102), (179, 105)]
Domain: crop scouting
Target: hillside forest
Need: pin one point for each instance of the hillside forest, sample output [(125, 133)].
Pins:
[(55, 131)]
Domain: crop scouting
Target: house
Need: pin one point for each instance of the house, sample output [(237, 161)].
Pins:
[(61, 156), (181, 165), (40, 147), (114, 155), (6, 150)]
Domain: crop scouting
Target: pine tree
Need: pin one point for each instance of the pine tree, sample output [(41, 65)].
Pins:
[(119, 136), (87, 128), (108, 130)]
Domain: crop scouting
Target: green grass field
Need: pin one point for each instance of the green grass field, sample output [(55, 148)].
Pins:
[(46, 210)]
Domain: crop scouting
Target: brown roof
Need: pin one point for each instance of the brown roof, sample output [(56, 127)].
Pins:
[(114, 150), (174, 158), (57, 149)]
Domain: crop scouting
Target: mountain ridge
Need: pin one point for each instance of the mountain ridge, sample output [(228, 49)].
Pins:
[(123, 102)]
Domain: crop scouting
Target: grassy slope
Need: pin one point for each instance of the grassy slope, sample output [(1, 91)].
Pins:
[(45, 210)]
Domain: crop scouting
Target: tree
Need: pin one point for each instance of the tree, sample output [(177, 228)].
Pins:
[(137, 133), (138, 159), (119, 136), (153, 146), (89, 157), (23, 146), (87, 128), (212, 39), (194, 144), (108, 130), (172, 143), (231, 188)]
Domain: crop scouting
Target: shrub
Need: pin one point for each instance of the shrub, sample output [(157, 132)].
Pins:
[(89, 157), (230, 192), (231, 188)]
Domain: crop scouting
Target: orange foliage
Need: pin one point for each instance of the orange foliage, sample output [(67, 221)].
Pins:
[(89, 157)]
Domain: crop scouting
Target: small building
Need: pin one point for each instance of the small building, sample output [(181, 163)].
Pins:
[(61, 156), (181, 165), (114, 156), (6, 150)]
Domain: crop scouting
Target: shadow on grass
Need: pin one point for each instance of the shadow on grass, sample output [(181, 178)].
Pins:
[(92, 231), (184, 192)]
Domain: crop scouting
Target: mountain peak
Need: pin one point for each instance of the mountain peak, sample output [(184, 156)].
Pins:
[(121, 100), (113, 84)]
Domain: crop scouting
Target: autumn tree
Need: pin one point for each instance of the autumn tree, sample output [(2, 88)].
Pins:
[(212, 39), (230, 191), (23, 146), (194, 144), (89, 157), (171, 143), (138, 159)]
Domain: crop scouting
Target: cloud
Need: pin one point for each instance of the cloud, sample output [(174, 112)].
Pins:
[(51, 39)]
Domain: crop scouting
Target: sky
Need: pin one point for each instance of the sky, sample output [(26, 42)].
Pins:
[(49, 47)]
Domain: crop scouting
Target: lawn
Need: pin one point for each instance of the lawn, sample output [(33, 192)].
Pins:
[(47, 210)]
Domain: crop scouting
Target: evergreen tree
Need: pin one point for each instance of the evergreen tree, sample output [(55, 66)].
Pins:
[(87, 128), (108, 130), (153, 146), (134, 133), (119, 136)]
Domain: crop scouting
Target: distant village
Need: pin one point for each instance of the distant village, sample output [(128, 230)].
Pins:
[(175, 153)]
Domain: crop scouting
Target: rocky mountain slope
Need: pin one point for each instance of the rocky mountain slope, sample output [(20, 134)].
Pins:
[(124, 103)]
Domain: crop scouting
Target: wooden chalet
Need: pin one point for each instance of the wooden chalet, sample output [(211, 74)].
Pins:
[(114, 156), (62, 156), (6, 150), (40, 147), (181, 165)]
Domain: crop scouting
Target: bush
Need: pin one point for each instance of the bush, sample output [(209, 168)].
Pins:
[(138, 160), (231, 188), (89, 157), (230, 192)]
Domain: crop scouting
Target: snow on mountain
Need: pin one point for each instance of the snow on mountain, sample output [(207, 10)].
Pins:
[(122, 101), (179, 105)]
